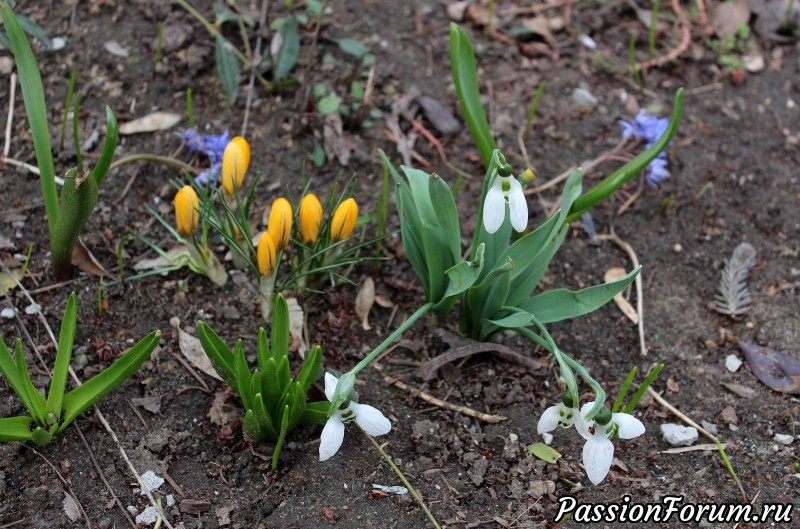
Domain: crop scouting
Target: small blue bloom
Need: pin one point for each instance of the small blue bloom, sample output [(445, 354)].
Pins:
[(649, 128), (211, 145)]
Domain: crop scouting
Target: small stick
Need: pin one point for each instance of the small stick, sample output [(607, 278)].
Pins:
[(139, 415), (10, 120), (631, 199), (172, 483), (192, 372), (686, 39), (427, 397)]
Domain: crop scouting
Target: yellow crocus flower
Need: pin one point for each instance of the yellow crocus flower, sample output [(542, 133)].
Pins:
[(266, 254), (310, 218), (344, 220), (235, 161), (280, 223), (187, 210)]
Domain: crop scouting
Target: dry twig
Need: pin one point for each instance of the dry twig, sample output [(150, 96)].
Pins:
[(686, 39)]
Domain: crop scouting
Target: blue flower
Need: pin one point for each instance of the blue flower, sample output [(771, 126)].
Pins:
[(212, 146), (649, 128)]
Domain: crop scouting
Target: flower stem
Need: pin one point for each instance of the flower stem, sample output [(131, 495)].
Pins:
[(154, 158), (402, 477)]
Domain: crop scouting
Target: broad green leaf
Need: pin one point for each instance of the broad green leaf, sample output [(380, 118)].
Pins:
[(80, 398), (281, 437), (33, 401), (526, 249), (252, 427), (353, 47), (289, 49), (311, 369), (446, 214), (280, 329), (36, 111), (34, 30), (525, 284), (4, 42), (329, 104), (218, 353), (244, 382), (58, 382), (40, 436), (227, 68), (222, 14), (315, 413), (270, 386), (78, 198), (284, 375), (517, 319), (616, 179), (263, 416), (561, 304), (297, 405), (544, 452), (262, 348), (16, 429), (109, 147), (463, 275), (315, 7), (465, 78)]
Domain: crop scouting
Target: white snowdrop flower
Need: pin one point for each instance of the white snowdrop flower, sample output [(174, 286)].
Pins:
[(598, 452), (563, 415), (505, 190), (370, 419)]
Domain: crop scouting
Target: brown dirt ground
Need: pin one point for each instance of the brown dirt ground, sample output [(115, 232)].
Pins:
[(734, 179)]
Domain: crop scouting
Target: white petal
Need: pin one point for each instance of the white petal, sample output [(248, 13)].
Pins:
[(494, 207), (332, 436), (629, 426), (549, 420), (330, 385), (582, 426), (598, 452), (370, 419), (585, 409), (517, 206)]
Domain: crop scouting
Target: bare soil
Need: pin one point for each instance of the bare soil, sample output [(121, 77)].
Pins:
[(734, 178)]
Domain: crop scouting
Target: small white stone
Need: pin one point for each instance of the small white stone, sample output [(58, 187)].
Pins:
[(170, 500), (587, 41), (679, 435), (513, 437), (547, 438), (132, 509), (784, 439), (151, 482), (148, 516), (57, 43), (584, 98), (32, 309), (8, 313), (732, 363)]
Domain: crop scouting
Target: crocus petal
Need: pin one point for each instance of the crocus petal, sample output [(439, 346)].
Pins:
[(628, 425), (517, 206), (330, 386), (549, 420), (598, 452), (370, 419), (332, 436), (494, 207)]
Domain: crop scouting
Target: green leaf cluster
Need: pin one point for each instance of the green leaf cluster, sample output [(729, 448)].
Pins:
[(274, 402), (49, 416), (66, 216)]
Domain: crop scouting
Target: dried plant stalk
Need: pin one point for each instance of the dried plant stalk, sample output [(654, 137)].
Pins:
[(733, 298)]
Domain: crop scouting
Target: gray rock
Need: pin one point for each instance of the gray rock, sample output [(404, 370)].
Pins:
[(584, 98), (678, 435), (783, 439)]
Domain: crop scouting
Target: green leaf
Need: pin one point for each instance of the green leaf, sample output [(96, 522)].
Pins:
[(517, 319), (311, 369), (526, 249), (218, 353), (318, 155), (284, 374), (465, 78), (270, 386), (463, 275), (227, 68), (21, 383), (41, 436), (315, 7), (16, 429), (33, 94), (289, 49), (280, 329), (264, 417), (262, 348), (561, 304), (281, 437), (4, 42), (244, 382), (80, 398), (329, 104), (109, 147), (78, 198), (252, 427), (34, 30), (544, 452), (353, 47), (315, 413), (58, 382), (222, 14)]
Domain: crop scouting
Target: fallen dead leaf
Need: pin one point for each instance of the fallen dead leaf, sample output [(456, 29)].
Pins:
[(541, 26), (71, 508), (9, 280), (729, 16), (612, 274), (384, 302), (150, 123), (457, 10), (151, 404), (778, 370), (296, 323), (193, 350), (336, 146), (86, 261), (364, 301)]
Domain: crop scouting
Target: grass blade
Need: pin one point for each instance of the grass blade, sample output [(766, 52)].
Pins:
[(58, 382)]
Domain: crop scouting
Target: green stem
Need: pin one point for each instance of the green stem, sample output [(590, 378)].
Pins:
[(154, 158), (392, 337), (616, 179)]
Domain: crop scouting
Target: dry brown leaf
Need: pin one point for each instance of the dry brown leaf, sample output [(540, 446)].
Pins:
[(336, 146), (778, 370), (364, 301), (193, 350), (541, 26), (728, 16), (8, 281), (71, 508), (457, 10), (296, 323), (83, 259), (384, 302), (150, 123), (151, 404), (613, 274), (478, 14)]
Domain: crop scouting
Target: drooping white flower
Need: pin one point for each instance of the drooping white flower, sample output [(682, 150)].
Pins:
[(370, 419), (505, 190), (598, 452), (564, 416)]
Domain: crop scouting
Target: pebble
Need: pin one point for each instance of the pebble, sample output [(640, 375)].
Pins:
[(57, 43), (151, 481), (32, 309), (732, 363), (710, 427), (784, 439), (6, 65), (148, 516), (587, 41), (728, 415), (584, 98), (230, 313), (679, 435), (8, 313)]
